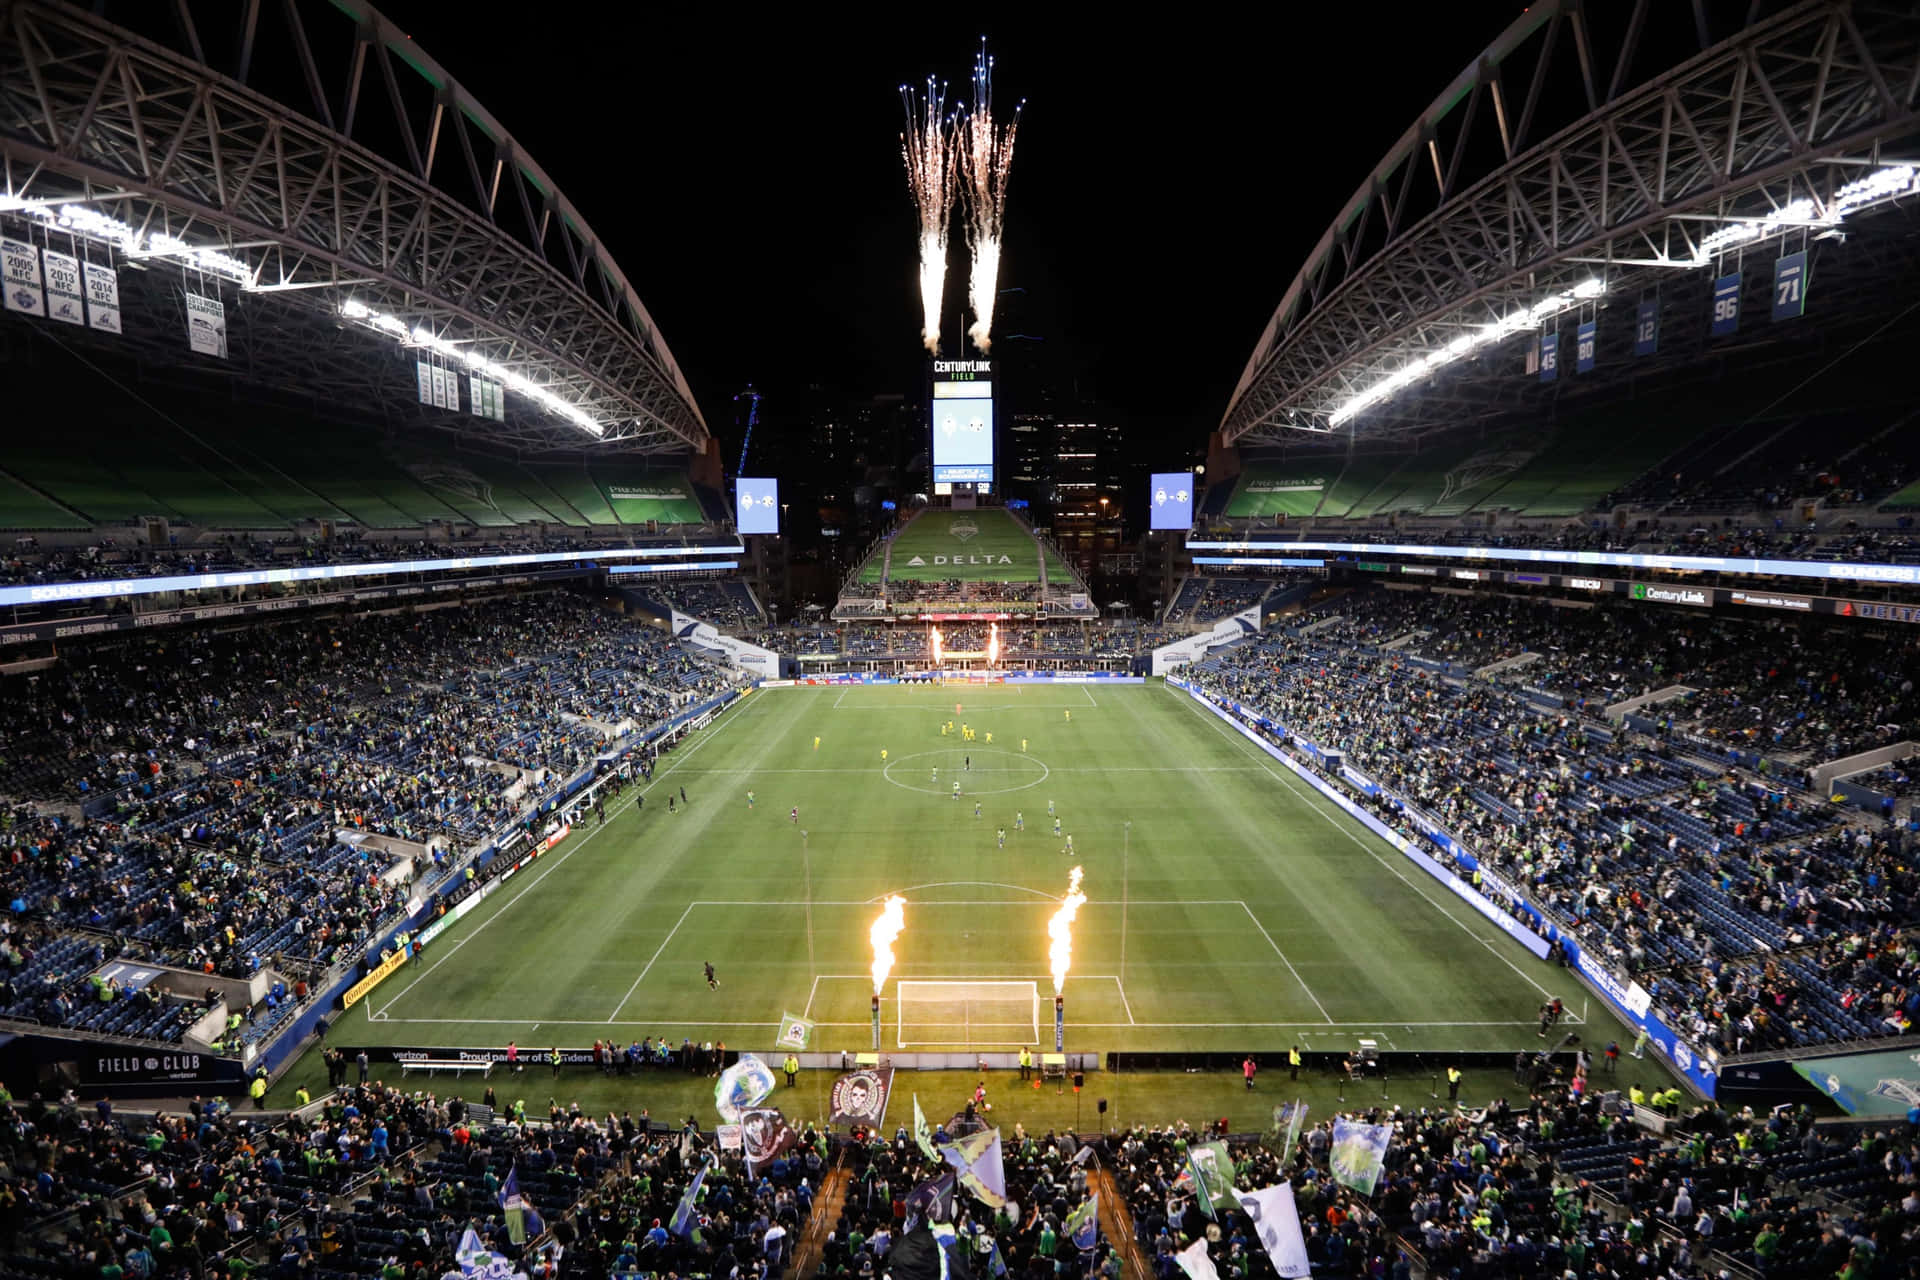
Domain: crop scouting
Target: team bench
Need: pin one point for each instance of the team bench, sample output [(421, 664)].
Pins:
[(433, 1065)]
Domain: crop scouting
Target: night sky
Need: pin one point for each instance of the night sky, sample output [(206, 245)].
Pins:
[(1168, 181)]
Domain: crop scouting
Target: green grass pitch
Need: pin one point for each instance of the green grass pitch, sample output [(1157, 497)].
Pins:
[(1229, 908)]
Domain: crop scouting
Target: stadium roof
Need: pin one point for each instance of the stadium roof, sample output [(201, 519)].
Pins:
[(353, 205), (1574, 169)]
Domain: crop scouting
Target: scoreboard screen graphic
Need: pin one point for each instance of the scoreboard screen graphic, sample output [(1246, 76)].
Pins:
[(962, 422), (1170, 498), (756, 505)]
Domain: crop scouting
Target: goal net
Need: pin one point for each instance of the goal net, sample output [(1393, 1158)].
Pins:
[(970, 1012)]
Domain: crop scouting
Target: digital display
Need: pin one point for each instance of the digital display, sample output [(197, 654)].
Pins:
[(963, 426), (756, 505), (1170, 498)]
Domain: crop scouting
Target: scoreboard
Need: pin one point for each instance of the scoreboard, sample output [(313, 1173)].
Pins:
[(962, 422)]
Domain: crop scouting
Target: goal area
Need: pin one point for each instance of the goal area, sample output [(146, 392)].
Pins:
[(967, 1012)]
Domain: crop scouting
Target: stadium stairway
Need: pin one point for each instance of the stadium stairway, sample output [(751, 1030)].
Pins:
[(827, 1203), (1116, 1223)]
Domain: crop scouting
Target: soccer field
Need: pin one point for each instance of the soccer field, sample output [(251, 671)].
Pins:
[(1229, 908)]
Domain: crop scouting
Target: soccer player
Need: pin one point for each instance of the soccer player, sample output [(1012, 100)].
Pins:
[(1049, 808), (1069, 847), (670, 804), (976, 808), (1002, 835), (713, 983), (883, 755), (1019, 820), (945, 727), (749, 799), (1056, 826), (793, 815), (1023, 744), (936, 774), (816, 742), (683, 795), (967, 763), (989, 737), (1069, 717), (956, 791)]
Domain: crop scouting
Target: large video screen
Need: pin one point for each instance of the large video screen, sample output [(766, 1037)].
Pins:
[(1171, 499), (756, 505), (963, 432)]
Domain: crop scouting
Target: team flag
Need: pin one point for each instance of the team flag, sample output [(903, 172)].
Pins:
[(523, 1220), (931, 1201), (976, 1160), (1287, 1119), (765, 1136), (1211, 1170), (795, 1031), (922, 1135), (742, 1086), (478, 1262), (1194, 1261), (683, 1223), (1277, 1220), (1083, 1224), (860, 1097), (1358, 1154)]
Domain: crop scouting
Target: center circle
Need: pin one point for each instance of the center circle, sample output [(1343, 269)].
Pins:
[(994, 771)]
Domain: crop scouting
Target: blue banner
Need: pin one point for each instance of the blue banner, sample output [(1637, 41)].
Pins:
[(1646, 328), (1726, 305), (1549, 356), (1790, 282), (1583, 344)]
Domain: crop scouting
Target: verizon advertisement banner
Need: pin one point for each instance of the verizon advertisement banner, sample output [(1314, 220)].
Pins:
[(748, 657), (1169, 657)]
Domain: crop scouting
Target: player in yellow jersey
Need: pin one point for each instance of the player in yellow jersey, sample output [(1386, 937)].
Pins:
[(816, 744), (1023, 744), (883, 755), (989, 737), (1069, 717)]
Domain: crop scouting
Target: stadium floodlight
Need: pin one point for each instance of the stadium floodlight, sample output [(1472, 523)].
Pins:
[(1516, 321), (359, 312), (1880, 185), (89, 223)]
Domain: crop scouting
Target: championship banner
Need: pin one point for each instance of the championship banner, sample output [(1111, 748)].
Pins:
[(207, 325), (860, 1097), (103, 297), (64, 300), (1358, 1154), (795, 1031), (20, 271), (1277, 1221), (765, 1136)]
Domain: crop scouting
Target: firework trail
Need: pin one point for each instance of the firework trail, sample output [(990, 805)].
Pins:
[(986, 156), (928, 148)]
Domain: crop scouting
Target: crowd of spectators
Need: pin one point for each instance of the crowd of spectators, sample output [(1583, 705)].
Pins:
[(1717, 888), (204, 798), (724, 602)]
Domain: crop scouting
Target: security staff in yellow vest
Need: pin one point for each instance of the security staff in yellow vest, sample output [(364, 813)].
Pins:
[(258, 1091), (792, 1067), (1026, 1063), (1293, 1063), (1453, 1084), (1636, 1095)]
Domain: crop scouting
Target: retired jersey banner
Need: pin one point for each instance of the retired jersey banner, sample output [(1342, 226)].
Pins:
[(1584, 340), (1789, 285), (860, 1097), (1359, 1153), (20, 269), (103, 297), (1549, 356), (1726, 305), (207, 325), (1646, 328), (65, 300)]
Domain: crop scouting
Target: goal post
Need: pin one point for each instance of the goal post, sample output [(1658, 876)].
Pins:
[(967, 1011)]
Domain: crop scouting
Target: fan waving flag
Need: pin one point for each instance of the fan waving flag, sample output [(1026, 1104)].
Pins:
[(1277, 1221), (1194, 1261), (976, 1160), (1211, 1169), (523, 1220), (1083, 1224), (931, 1201), (1358, 1154), (683, 1221), (922, 1135), (795, 1031), (742, 1086), (477, 1262)]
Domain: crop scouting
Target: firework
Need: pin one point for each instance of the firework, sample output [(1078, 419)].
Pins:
[(1060, 930), (928, 148), (986, 157)]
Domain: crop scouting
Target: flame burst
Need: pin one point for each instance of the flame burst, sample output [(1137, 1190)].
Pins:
[(885, 929), (1060, 929), (986, 157), (928, 148)]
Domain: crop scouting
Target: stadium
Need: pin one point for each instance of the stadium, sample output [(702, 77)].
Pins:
[(483, 801)]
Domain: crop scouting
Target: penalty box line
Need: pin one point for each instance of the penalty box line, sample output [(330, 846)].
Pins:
[(1125, 1004)]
